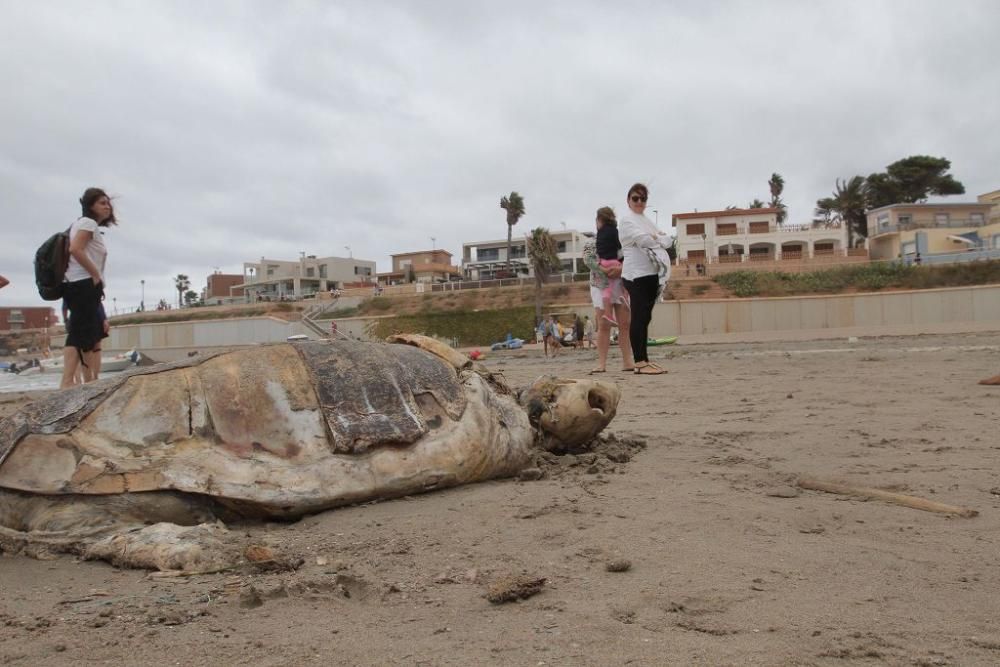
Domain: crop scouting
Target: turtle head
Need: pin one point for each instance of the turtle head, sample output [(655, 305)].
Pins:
[(569, 413)]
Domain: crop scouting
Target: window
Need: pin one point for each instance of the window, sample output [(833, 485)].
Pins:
[(882, 220), (941, 219), (561, 246), (905, 221), (695, 228), (488, 254), (362, 270), (696, 254), (517, 251), (728, 229), (761, 227), (322, 270), (976, 218), (310, 272)]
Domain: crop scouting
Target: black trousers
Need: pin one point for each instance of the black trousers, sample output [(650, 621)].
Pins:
[(642, 293)]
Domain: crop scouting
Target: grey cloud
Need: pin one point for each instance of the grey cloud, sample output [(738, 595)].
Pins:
[(232, 130)]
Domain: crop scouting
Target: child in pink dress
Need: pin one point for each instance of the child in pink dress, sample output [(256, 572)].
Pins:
[(607, 246)]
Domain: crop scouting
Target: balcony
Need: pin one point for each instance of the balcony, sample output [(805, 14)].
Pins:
[(761, 228), (890, 228)]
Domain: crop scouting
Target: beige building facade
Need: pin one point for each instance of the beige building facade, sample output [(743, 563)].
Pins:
[(993, 199), (741, 235), (903, 230), (277, 279), (425, 266)]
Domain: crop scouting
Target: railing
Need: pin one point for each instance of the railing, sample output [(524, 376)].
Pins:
[(888, 228), (760, 228)]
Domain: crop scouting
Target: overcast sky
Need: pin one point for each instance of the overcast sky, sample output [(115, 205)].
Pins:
[(231, 130)]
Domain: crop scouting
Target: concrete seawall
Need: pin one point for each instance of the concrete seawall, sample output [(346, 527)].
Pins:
[(946, 310)]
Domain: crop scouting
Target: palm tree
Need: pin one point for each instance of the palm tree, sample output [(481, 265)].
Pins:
[(777, 185), (182, 284), (848, 202), (756, 203), (542, 251), (825, 212), (514, 205)]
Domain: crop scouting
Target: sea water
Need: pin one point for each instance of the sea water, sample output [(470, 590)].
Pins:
[(35, 381)]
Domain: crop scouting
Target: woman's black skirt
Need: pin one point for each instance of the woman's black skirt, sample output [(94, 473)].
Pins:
[(86, 319)]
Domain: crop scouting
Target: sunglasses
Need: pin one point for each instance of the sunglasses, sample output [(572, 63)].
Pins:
[(637, 198)]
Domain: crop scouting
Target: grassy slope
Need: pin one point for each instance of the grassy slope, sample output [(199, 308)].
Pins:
[(860, 278)]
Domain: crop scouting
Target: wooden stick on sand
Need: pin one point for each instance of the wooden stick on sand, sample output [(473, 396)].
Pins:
[(888, 496)]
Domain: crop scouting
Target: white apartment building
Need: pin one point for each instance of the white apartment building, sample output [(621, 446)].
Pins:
[(739, 235), (277, 278), (486, 260)]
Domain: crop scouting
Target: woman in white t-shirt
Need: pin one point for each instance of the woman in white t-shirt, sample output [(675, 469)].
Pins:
[(645, 272), (84, 292)]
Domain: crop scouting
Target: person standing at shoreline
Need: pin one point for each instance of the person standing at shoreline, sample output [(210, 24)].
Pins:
[(85, 288), (599, 280), (588, 331), (645, 272)]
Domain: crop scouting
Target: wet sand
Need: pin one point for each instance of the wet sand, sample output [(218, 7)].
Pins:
[(730, 563)]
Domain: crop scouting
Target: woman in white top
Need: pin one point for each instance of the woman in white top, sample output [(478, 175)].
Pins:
[(645, 272), (84, 291)]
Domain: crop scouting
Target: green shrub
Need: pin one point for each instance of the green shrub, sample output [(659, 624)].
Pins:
[(339, 313), (481, 327), (869, 276)]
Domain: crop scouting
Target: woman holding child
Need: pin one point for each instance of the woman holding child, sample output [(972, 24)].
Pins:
[(645, 272), (607, 292)]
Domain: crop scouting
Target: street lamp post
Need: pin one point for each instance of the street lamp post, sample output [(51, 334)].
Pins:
[(114, 300), (348, 249), (656, 217), (142, 301), (433, 243)]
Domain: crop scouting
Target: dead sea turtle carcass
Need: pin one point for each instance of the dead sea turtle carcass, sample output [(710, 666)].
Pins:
[(137, 469)]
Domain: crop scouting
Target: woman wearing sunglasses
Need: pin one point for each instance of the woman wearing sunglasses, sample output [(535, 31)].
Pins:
[(645, 271)]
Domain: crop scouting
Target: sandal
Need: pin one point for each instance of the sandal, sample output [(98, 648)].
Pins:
[(630, 369), (595, 371), (649, 369)]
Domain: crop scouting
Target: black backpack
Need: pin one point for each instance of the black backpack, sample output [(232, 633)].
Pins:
[(51, 261)]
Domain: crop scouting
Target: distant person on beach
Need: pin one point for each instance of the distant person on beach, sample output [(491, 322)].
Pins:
[(553, 335), (917, 259), (85, 287), (578, 331), (588, 330), (645, 270), (599, 280)]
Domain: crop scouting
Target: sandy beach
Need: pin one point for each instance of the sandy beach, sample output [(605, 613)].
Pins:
[(728, 562)]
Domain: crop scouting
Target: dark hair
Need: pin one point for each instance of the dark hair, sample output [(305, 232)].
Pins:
[(639, 188), (87, 201), (607, 215)]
